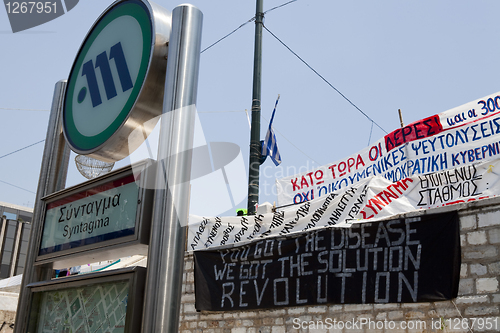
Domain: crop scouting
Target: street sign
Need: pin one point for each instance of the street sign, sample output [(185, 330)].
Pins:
[(105, 218), (117, 80)]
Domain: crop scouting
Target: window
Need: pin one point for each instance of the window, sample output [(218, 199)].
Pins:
[(10, 216)]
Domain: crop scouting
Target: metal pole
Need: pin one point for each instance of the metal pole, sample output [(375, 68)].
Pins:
[(168, 235), (255, 146), (53, 172)]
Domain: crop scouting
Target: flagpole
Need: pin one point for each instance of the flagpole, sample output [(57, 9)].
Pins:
[(255, 145)]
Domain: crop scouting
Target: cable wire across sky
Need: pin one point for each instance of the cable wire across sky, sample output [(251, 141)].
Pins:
[(303, 61), (323, 78), (207, 48), (22, 148)]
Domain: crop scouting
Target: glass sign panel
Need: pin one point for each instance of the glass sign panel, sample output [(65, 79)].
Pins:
[(93, 308), (102, 213)]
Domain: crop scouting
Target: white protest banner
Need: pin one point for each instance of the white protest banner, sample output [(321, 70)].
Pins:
[(461, 136), (369, 199)]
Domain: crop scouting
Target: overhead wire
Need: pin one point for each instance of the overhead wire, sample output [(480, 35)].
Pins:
[(221, 111), (12, 109), (282, 5), (290, 142), (212, 45), (309, 157), (370, 136), (1, 181), (229, 34), (243, 24), (303, 61), (323, 78), (22, 148), (21, 188)]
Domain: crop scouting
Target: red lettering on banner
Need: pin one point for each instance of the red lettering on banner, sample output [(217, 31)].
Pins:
[(462, 201), (332, 167), (308, 180), (345, 167), (384, 198), (303, 182), (310, 176), (414, 131), (359, 161), (319, 177)]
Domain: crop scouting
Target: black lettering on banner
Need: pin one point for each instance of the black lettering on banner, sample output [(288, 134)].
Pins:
[(447, 186), (394, 261)]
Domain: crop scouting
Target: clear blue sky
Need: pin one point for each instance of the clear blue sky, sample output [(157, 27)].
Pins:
[(422, 57)]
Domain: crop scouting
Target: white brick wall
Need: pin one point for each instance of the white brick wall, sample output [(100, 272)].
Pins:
[(487, 285), (477, 237), (488, 219)]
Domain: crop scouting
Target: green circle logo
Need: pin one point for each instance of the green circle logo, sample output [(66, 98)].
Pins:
[(107, 75)]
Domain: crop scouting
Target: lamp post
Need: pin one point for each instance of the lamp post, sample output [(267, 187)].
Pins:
[(255, 145)]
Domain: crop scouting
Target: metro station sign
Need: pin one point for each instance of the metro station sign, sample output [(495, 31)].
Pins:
[(117, 80), (97, 219)]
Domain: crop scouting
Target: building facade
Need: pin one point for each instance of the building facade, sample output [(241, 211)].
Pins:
[(15, 228)]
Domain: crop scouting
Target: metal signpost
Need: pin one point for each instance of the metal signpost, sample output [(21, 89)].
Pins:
[(168, 237), (137, 63), (53, 173)]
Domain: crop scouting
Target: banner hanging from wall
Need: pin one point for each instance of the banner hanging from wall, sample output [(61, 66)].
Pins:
[(455, 138), (449, 158), (393, 261), (370, 199)]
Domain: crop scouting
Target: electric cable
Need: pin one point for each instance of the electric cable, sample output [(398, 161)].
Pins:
[(243, 24), (12, 109), (290, 142), (229, 34), (22, 148), (370, 136), (1, 181), (221, 111), (323, 78), (286, 3)]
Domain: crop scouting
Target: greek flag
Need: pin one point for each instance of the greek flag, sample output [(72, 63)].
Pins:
[(269, 145)]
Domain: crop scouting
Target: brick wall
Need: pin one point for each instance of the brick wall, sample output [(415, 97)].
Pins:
[(478, 299)]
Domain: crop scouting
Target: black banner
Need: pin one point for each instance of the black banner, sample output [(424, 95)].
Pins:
[(395, 261)]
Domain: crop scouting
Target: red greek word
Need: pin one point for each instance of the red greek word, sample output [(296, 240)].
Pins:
[(310, 179), (385, 197), (346, 167), (414, 131)]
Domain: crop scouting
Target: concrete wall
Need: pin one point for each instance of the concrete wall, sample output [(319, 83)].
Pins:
[(7, 319), (8, 306), (478, 300)]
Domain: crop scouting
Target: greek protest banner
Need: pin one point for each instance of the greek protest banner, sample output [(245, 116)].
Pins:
[(392, 261), (369, 199), (328, 211), (461, 136)]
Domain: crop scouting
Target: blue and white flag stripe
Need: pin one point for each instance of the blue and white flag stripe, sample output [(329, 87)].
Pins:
[(269, 145)]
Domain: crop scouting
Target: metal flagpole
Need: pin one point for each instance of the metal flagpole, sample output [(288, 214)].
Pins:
[(255, 145), (168, 232), (53, 172)]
